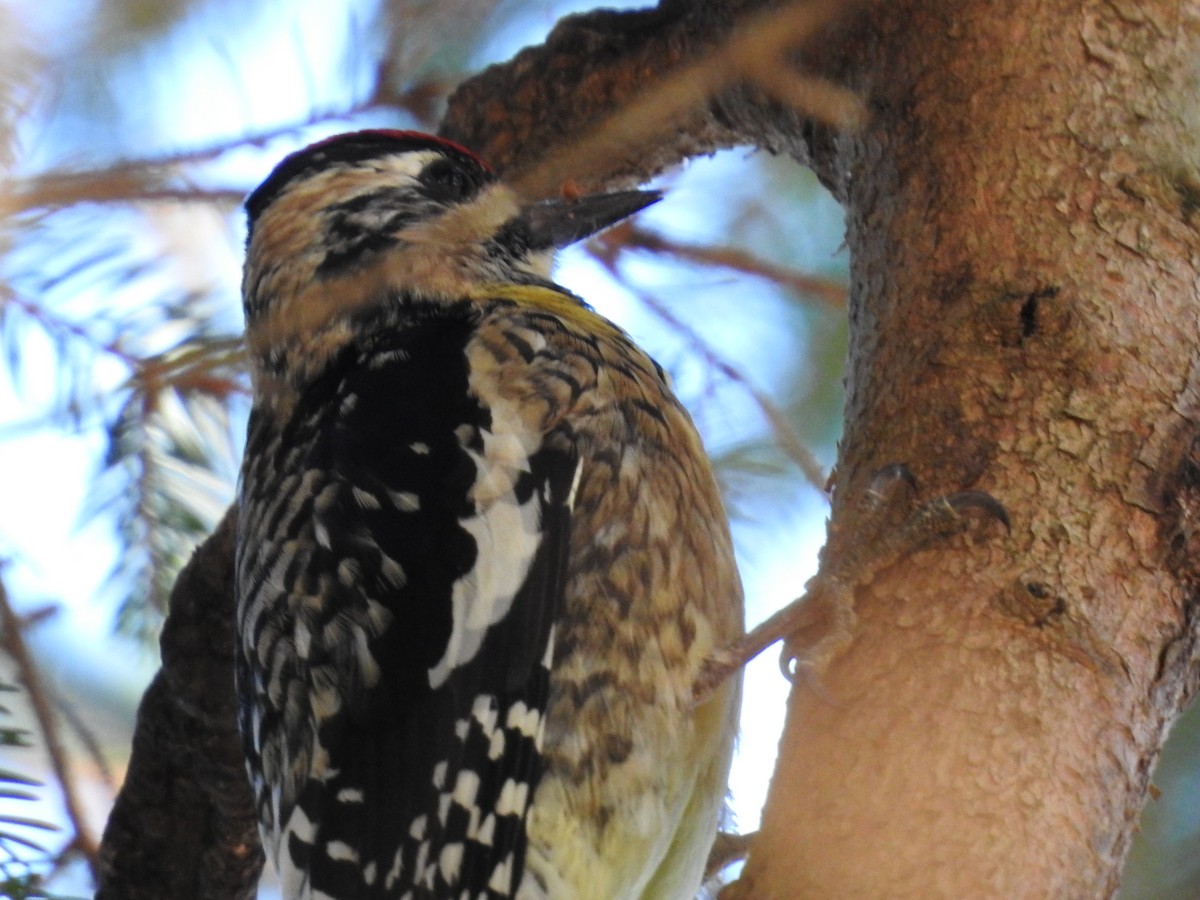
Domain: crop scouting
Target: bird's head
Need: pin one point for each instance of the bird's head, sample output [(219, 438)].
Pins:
[(355, 221)]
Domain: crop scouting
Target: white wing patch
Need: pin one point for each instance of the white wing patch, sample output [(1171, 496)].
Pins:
[(294, 877), (507, 534)]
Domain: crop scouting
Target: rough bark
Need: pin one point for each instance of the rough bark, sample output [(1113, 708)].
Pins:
[(1021, 221), (184, 824), (594, 64)]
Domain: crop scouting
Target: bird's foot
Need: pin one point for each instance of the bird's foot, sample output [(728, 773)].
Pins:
[(818, 624)]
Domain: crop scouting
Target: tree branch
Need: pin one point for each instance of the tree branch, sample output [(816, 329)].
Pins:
[(613, 97), (43, 709), (629, 236), (184, 824)]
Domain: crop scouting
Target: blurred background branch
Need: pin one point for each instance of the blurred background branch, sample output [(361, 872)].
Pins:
[(82, 840)]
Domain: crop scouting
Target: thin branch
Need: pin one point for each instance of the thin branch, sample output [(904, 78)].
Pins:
[(727, 849), (192, 366), (142, 179), (59, 327), (830, 292), (126, 179), (90, 743), (189, 365), (43, 710), (207, 365), (119, 183), (786, 438)]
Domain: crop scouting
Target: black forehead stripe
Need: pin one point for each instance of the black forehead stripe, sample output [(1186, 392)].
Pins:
[(352, 147)]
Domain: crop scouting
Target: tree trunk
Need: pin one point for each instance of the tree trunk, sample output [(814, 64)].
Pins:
[(1022, 224)]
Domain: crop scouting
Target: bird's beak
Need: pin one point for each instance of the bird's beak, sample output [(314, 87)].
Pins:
[(550, 224)]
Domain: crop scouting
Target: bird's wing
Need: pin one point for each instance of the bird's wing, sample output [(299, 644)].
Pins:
[(444, 536)]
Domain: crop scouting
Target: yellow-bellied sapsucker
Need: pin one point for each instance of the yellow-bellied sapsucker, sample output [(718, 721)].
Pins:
[(481, 555)]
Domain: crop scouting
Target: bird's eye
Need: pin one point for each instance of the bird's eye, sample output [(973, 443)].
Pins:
[(447, 180)]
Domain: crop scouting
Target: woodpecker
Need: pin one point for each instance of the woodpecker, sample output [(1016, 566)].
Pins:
[(481, 555)]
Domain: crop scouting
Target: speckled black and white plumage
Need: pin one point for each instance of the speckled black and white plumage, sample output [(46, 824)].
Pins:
[(481, 556)]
